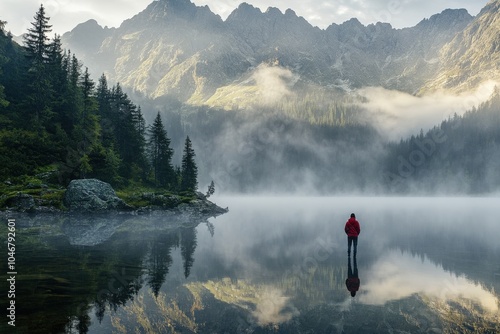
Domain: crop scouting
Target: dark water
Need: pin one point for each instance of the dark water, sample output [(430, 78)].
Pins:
[(271, 265)]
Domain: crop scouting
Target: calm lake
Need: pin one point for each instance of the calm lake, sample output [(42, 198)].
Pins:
[(270, 265)]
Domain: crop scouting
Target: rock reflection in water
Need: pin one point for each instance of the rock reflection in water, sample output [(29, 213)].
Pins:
[(78, 268)]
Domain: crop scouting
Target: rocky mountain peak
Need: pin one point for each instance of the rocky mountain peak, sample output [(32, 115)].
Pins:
[(446, 19), (492, 6), (244, 12), (162, 8), (472, 56), (249, 20), (290, 12), (171, 12), (273, 11), (176, 4), (175, 48), (353, 22), (90, 34)]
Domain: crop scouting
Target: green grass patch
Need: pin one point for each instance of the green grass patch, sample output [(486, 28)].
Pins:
[(139, 197), (44, 194)]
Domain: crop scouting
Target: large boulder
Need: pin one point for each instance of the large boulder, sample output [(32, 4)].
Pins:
[(92, 195)]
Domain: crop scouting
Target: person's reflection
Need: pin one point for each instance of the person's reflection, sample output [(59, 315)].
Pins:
[(352, 281)]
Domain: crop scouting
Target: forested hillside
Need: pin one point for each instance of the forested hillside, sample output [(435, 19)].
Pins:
[(462, 155), (58, 124)]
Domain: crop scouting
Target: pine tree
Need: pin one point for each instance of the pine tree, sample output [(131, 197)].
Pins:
[(104, 111), (189, 171), (211, 190), (160, 154), (58, 78), (3, 102), (88, 121), (36, 40), (128, 140), (38, 49)]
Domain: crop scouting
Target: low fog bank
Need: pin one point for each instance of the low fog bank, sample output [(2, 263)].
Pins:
[(300, 139), (399, 115), (274, 154), (271, 154)]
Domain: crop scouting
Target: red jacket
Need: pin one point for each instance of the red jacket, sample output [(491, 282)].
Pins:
[(352, 228)]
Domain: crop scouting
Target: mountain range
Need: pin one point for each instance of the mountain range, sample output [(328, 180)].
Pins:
[(176, 49)]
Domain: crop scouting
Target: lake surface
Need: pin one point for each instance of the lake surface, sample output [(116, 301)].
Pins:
[(270, 265)]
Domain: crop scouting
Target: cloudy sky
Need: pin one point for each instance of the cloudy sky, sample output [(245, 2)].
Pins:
[(66, 14)]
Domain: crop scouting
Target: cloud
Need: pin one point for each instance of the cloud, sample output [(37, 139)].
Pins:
[(396, 276), (396, 114), (273, 82), (273, 308), (18, 14)]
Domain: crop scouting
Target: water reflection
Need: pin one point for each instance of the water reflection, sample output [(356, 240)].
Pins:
[(273, 266), (75, 270), (352, 282), (397, 275)]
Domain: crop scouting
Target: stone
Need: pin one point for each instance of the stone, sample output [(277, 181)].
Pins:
[(22, 202), (92, 195)]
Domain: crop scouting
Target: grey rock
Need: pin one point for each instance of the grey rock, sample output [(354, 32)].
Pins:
[(91, 230), (92, 195), (21, 202)]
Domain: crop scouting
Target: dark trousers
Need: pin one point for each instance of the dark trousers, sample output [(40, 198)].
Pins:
[(350, 241)]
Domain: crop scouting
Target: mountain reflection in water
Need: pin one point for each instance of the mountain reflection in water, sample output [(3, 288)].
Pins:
[(270, 265)]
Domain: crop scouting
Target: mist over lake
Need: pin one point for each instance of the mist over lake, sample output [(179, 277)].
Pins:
[(273, 264)]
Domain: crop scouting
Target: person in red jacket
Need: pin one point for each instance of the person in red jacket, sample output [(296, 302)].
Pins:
[(352, 229)]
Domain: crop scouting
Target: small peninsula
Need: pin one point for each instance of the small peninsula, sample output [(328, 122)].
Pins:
[(92, 196)]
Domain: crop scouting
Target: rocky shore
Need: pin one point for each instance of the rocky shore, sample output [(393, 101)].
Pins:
[(92, 196)]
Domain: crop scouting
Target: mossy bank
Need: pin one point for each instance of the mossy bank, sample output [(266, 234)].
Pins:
[(90, 196)]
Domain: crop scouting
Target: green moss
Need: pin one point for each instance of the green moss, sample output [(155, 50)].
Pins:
[(53, 197), (43, 194), (150, 197), (47, 195)]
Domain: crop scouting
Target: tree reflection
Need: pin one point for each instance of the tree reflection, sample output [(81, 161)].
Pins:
[(160, 259), (188, 246), (64, 280)]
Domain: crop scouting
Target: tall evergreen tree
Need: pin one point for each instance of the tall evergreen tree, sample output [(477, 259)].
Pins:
[(160, 154), (3, 102), (88, 120), (58, 77), (104, 111), (38, 49), (36, 39), (129, 140), (189, 171)]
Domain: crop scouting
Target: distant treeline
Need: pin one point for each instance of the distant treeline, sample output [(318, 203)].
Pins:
[(462, 155)]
